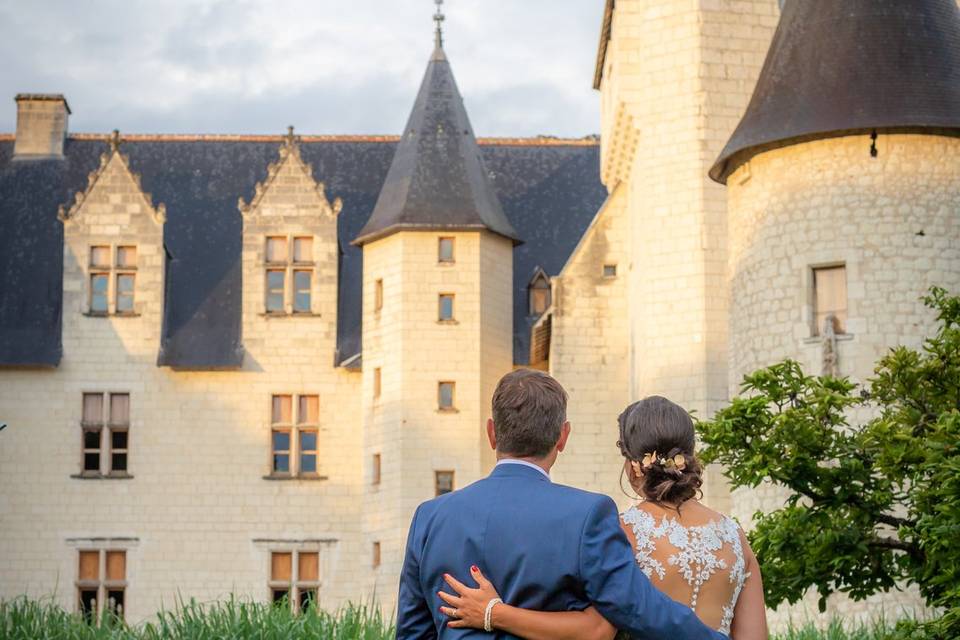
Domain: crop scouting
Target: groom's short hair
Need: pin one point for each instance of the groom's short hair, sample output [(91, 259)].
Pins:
[(529, 409)]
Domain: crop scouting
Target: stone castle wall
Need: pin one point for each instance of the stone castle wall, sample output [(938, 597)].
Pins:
[(197, 518), (890, 220)]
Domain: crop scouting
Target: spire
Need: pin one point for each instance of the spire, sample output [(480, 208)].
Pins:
[(839, 67), (437, 179), (438, 17)]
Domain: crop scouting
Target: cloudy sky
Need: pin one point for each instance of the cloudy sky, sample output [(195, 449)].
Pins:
[(525, 67)]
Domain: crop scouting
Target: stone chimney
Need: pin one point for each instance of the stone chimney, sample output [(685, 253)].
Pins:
[(41, 125)]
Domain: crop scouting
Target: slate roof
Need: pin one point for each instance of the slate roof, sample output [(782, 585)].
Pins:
[(549, 190), (437, 179), (839, 67)]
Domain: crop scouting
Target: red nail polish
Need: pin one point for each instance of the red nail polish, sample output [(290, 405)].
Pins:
[(474, 568)]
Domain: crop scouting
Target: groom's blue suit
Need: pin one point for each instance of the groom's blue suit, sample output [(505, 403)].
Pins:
[(544, 546)]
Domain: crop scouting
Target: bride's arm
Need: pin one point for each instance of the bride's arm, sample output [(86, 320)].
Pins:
[(750, 614), (468, 607)]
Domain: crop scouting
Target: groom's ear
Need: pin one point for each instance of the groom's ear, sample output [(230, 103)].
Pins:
[(564, 435), (492, 434)]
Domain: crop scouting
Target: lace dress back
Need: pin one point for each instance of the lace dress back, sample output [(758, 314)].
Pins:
[(700, 563)]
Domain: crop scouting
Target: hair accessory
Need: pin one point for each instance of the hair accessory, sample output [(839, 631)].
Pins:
[(488, 614), (678, 461)]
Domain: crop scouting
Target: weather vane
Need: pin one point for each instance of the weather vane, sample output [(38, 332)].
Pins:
[(438, 17)]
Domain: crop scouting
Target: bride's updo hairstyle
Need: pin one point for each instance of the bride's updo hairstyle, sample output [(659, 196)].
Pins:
[(656, 425)]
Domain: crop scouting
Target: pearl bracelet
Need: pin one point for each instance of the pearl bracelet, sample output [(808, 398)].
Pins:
[(488, 614)]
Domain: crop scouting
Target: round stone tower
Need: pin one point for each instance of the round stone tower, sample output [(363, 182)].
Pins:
[(843, 184)]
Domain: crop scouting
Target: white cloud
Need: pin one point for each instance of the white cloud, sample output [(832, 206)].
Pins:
[(327, 66)]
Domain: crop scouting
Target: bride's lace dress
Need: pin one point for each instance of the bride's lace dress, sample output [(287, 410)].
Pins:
[(698, 564)]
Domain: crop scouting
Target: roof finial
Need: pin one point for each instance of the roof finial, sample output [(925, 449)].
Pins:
[(438, 17)]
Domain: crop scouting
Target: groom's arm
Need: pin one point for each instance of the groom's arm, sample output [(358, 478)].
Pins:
[(621, 592), (414, 620)]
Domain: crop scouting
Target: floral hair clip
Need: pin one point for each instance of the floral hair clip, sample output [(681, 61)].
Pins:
[(678, 461)]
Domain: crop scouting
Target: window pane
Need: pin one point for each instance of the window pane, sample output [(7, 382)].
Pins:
[(281, 441), (444, 482), (88, 604), (281, 566), (118, 462), (89, 565), (125, 284), (116, 565), (276, 249), (120, 408), (91, 461), (98, 293), (309, 565), (446, 395), (118, 439), (93, 408), (99, 256), (115, 601), (126, 257), (830, 286), (282, 409), (275, 287), (281, 463), (308, 440), (303, 249), (609, 270), (308, 599), (539, 300), (309, 410), (301, 285), (308, 463), (279, 595), (446, 307), (91, 439), (446, 250)]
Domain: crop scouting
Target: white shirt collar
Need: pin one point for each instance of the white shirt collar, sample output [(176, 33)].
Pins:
[(524, 463)]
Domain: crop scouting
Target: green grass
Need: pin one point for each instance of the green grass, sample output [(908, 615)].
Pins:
[(25, 619)]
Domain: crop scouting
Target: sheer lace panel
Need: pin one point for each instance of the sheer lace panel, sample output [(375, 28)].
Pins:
[(702, 564)]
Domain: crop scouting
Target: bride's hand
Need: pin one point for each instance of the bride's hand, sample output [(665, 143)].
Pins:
[(469, 606)]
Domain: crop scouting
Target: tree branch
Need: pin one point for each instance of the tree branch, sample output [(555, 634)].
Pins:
[(897, 545)]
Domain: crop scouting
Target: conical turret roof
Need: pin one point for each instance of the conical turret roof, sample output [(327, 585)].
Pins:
[(437, 179), (840, 67)]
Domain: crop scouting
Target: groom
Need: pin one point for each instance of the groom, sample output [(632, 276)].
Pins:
[(544, 546)]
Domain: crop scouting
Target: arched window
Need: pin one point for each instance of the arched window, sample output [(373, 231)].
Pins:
[(539, 293)]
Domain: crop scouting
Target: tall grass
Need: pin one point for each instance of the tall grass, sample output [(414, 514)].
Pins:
[(26, 619)]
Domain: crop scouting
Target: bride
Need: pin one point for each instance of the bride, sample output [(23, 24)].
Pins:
[(693, 554)]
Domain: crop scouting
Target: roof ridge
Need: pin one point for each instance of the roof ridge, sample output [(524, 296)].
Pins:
[(505, 141)]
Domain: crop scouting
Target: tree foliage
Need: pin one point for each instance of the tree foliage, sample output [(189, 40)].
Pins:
[(871, 472)]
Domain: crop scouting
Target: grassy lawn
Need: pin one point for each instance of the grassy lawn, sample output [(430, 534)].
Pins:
[(23, 619)]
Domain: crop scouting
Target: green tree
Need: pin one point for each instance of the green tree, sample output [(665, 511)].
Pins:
[(871, 473)]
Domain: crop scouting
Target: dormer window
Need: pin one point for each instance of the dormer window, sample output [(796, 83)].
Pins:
[(120, 269), (289, 283), (539, 293)]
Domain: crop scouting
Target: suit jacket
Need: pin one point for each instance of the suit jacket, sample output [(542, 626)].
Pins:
[(544, 546)]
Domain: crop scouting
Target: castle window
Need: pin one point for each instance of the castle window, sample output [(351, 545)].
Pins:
[(445, 251), (294, 440), (830, 299), (123, 274), (377, 381), (301, 294), (126, 257), (125, 286), (378, 295), (115, 426), (100, 257), (539, 291), (282, 275), (376, 555), (446, 392), (298, 590), (446, 307), (303, 250), (609, 271), (376, 469), (275, 290), (443, 482), (101, 582)]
